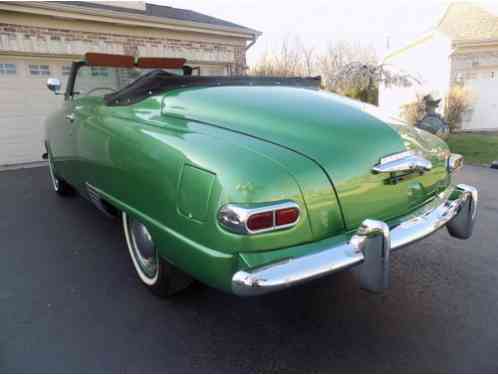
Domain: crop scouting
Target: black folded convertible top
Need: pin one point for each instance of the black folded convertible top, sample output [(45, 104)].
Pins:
[(159, 81)]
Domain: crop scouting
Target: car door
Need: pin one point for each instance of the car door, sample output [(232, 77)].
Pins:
[(90, 86), (72, 123), (60, 133), (63, 144)]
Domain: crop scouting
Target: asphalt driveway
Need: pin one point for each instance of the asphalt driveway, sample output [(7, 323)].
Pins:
[(70, 302)]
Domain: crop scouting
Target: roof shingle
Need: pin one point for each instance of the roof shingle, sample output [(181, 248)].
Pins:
[(161, 12)]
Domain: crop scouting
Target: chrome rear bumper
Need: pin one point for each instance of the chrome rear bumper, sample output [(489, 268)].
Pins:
[(368, 249)]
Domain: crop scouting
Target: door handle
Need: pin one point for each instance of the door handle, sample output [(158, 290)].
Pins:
[(70, 117)]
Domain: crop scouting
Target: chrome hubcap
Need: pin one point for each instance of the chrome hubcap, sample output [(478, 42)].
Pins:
[(143, 247), (55, 180)]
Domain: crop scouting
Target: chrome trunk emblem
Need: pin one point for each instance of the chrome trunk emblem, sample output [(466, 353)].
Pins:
[(404, 162)]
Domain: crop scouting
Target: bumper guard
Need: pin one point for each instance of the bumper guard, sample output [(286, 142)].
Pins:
[(368, 249)]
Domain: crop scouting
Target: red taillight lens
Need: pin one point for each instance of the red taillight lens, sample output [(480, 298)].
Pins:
[(261, 221), (268, 217), (286, 216)]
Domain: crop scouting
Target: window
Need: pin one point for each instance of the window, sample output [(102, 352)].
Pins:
[(66, 70), (99, 72), (95, 81), (99, 81), (39, 70), (8, 69)]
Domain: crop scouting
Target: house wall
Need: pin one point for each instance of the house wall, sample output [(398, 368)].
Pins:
[(474, 62), (35, 46), (428, 61), (484, 112), (476, 67), (25, 34), (462, 50)]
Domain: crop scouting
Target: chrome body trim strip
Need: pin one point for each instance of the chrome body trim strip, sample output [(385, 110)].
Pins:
[(368, 250), (96, 199)]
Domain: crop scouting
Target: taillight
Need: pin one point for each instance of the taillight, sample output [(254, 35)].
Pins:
[(260, 221), (286, 216), (264, 218)]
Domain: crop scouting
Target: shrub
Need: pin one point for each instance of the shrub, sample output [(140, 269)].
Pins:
[(458, 101), (366, 95), (414, 111)]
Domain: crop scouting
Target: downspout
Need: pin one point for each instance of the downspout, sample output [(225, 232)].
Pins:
[(251, 43)]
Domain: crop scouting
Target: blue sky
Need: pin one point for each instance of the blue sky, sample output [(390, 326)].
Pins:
[(316, 22)]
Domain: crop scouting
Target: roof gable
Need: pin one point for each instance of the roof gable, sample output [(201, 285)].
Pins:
[(469, 21)]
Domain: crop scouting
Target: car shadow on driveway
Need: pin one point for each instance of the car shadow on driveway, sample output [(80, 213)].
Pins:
[(70, 302)]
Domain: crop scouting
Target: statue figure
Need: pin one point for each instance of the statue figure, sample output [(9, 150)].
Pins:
[(433, 122)]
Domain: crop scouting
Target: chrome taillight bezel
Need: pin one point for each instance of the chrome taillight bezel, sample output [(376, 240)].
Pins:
[(234, 217)]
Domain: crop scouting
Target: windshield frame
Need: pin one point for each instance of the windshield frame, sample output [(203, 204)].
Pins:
[(77, 65)]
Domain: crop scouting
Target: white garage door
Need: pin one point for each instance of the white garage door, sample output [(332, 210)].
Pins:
[(24, 103), (484, 115)]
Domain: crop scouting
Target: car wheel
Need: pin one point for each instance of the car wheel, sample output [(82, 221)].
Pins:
[(60, 186), (160, 277)]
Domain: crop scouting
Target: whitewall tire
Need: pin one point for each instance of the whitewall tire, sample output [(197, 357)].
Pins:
[(159, 276)]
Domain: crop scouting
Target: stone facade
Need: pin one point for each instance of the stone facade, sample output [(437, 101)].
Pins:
[(54, 41)]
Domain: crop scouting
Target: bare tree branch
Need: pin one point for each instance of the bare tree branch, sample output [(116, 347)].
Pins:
[(346, 68)]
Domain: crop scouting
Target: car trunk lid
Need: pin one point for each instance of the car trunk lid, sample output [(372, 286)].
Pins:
[(345, 138)]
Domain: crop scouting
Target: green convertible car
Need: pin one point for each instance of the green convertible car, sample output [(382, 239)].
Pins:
[(248, 184)]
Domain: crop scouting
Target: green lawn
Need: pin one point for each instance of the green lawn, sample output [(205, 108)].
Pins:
[(480, 149)]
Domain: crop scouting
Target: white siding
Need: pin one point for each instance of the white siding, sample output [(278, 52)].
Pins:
[(429, 62), (484, 115)]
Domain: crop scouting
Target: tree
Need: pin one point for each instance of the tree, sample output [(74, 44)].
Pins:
[(309, 63), (286, 62), (364, 78), (347, 69), (364, 75), (336, 58)]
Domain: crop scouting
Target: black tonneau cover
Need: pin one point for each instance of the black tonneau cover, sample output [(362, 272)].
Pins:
[(159, 81)]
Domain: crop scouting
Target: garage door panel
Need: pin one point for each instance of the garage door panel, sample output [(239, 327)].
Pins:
[(25, 103), (13, 105), (21, 139), (10, 126), (20, 153)]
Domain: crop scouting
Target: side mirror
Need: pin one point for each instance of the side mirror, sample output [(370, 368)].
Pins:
[(54, 85)]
